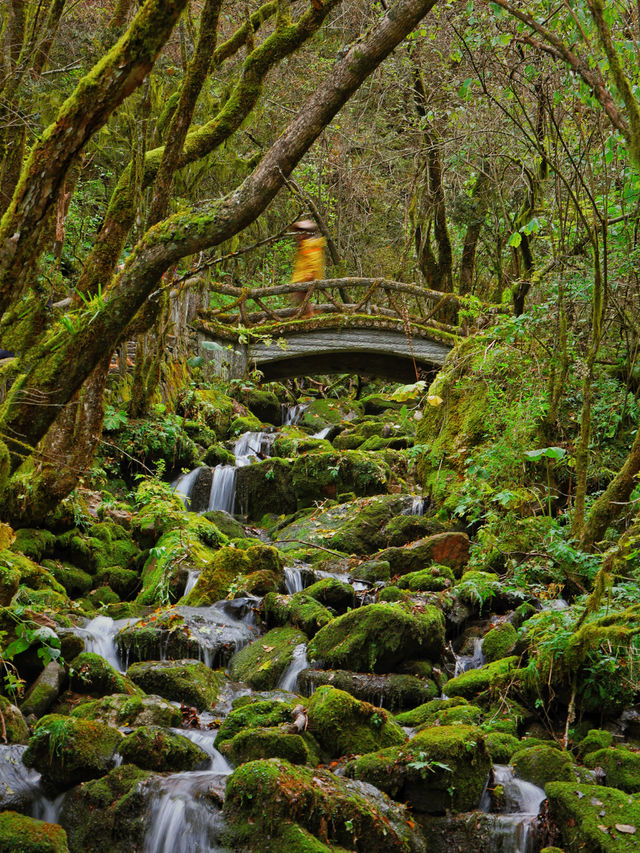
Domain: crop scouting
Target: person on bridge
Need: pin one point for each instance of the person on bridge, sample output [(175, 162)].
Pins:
[(309, 262)]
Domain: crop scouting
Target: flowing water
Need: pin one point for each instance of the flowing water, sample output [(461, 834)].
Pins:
[(99, 635), (291, 415), (293, 580), (289, 678), (512, 830), (223, 489), (473, 661)]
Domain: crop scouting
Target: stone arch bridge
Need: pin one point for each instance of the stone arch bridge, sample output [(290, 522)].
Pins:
[(366, 326)]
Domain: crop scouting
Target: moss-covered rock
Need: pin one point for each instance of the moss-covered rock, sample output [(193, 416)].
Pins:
[(263, 404), (159, 749), (499, 642), (75, 581), (262, 663), (225, 522), (104, 545), (541, 764), (188, 681), (443, 549), (428, 712), (621, 767), (229, 567), (124, 710), (108, 815), (29, 573), (478, 589), (67, 751), (260, 714), (34, 543), (596, 739), (252, 744), (501, 746), (14, 722), (22, 834), (407, 528), (165, 572), (328, 807), (594, 819), (441, 768), (393, 692), (45, 690), (377, 637), (9, 580), (343, 725), (486, 679), (90, 673), (300, 610), (434, 579), (331, 592), (372, 571), (124, 582)]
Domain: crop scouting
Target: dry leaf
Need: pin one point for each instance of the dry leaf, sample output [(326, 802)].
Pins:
[(626, 827), (434, 400), (268, 648), (602, 827)]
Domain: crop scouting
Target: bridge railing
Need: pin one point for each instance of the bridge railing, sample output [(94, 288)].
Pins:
[(398, 300)]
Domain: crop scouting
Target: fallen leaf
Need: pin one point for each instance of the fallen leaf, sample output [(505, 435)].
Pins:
[(595, 802), (603, 828), (626, 827), (434, 400), (268, 648)]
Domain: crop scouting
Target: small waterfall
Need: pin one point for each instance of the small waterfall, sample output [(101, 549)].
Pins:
[(293, 580), (289, 678), (223, 488), (99, 635), (291, 415), (185, 815), (323, 433), (253, 447), (183, 486), (205, 740), (19, 785), (473, 661), (512, 829)]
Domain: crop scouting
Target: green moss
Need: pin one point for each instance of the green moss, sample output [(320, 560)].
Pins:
[(441, 768), (407, 528), (434, 579), (156, 748), (245, 423), (67, 751), (499, 642), (395, 692), (108, 815), (124, 582), (90, 673), (429, 711), (121, 709), (332, 593), (31, 575), (22, 834), (372, 571), (595, 739), (299, 610), (254, 715), (343, 725), (377, 637), (252, 744), (622, 768), (228, 567), (487, 679), (587, 816), (501, 746), (226, 523), (103, 595), (541, 764), (392, 593), (34, 543), (478, 588), (14, 723), (188, 681), (75, 581), (328, 807), (262, 663), (9, 580)]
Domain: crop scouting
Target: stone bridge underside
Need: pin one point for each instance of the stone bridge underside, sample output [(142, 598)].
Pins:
[(380, 352)]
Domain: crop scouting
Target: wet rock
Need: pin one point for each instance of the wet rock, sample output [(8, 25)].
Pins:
[(501, 746), (486, 679), (67, 751), (255, 714), (499, 642), (227, 566), (22, 834), (377, 637), (123, 710), (393, 692), (442, 768), (372, 571), (621, 768), (45, 690), (263, 662), (587, 817), (157, 748), (108, 815), (447, 549), (201, 490), (343, 725), (300, 610), (326, 806), (188, 681), (541, 764), (255, 743), (90, 673)]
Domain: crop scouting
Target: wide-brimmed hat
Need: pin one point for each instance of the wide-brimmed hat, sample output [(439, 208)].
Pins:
[(306, 225)]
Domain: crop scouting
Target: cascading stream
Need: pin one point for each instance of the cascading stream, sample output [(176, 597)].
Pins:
[(512, 830)]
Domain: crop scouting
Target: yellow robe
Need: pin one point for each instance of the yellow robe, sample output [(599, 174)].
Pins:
[(310, 262)]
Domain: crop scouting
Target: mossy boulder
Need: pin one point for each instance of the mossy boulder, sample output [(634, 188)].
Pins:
[(231, 566), (22, 834), (124, 582), (252, 744), (501, 746), (102, 546), (188, 681), (263, 404), (331, 592), (443, 549), (621, 767), (124, 710), (259, 714), (499, 642), (372, 571), (378, 637), (262, 663), (34, 543), (67, 751), (90, 673), (541, 764), (159, 749), (108, 815), (428, 713), (29, 574), (594, 819), (407, 528), (486, 679), (343, 725), (331, 809), (165, 572), (300, 610), (75, 581), (442, 768), (479, 589), (394, 692), (45, 690), (225, 522), (434, 579), (320, 414), (9, 579), (14, 722), (596, 739)]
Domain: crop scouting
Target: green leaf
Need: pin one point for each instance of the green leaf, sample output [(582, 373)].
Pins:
[(515, 239)]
